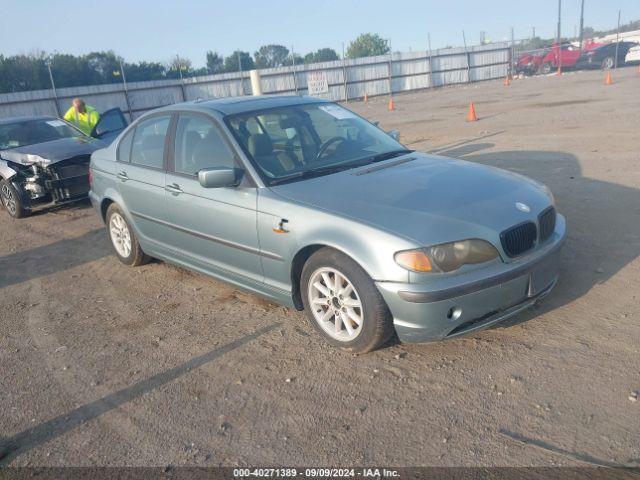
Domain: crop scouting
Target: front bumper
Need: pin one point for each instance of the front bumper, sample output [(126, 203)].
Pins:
[(451, 306)]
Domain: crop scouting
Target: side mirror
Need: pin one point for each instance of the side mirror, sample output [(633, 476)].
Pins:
[(219, 177), (395, 134)]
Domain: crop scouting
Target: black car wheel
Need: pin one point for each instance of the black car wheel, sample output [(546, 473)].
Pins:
[(11, 200), (545, 69), (608, 63)]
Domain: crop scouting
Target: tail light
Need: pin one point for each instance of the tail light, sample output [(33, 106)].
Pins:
[(90, 177)]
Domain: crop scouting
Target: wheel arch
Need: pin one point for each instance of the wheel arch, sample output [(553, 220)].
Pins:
[(298, 262)]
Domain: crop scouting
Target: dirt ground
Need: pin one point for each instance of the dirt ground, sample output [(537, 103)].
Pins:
[(101, 364)]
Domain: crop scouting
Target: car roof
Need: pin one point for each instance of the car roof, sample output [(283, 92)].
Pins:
[(234, 105), (10, 120)]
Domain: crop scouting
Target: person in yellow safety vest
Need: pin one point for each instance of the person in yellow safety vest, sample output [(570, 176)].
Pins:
[(82, 116)]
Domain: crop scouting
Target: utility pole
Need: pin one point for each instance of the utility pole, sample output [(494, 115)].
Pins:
[(293, 65), (581, 24), (464, 41), (240, 70), (53, 86), (615, 67), (533, 31), (126, 91), (430, 60), (344, 74), (559, 40)]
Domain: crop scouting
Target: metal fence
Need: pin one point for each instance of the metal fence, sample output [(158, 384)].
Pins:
[(347, 79)]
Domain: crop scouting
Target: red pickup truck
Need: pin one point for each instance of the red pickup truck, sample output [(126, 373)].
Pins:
[(566, 56)]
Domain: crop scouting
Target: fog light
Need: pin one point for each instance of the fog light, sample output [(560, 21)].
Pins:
[(454, 313)]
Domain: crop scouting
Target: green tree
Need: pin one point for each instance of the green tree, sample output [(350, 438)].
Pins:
[(144, 71), (178, 65), (104, 64), (368, 45), (215, 63), (231, 62), (321, 55), (271, 56)]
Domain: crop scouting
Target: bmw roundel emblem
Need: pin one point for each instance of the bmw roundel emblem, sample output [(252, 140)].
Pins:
[(523, 207)]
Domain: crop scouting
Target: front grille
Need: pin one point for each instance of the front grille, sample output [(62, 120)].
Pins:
[(546, 223), (69, 179), (519, 239)]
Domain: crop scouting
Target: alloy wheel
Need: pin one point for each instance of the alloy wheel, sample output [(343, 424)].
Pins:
[(120, 235), (335, 304), (9, 200)]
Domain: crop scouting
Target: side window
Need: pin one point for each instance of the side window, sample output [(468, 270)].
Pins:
[(148, 142), (124, 148), (200, 144)]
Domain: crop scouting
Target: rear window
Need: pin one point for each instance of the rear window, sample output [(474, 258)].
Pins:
[(148, 142)]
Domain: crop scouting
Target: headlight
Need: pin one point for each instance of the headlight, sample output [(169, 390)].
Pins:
[(446, 257)]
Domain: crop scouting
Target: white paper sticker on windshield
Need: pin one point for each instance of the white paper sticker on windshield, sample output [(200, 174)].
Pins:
[(337, 112), (56, 123)]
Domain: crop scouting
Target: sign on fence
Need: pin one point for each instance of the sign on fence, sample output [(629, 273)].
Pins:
[(317, 82)]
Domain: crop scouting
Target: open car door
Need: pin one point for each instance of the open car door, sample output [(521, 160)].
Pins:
[(111, 123)]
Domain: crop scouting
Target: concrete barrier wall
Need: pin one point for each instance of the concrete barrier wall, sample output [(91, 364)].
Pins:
[(347, 79)]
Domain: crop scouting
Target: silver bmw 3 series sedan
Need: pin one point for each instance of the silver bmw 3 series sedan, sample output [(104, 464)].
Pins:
[(308, 204)]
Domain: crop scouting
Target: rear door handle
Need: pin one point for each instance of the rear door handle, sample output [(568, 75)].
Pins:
[(122, 176), (174, 188)]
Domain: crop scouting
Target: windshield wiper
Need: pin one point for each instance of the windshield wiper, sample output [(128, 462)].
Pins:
[(339, 167), (386, 156), (311, 173)]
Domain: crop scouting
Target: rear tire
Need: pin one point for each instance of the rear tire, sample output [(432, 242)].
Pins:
[(123, 239), (11, 200), (545, 68), (608, 63), (343, 303)]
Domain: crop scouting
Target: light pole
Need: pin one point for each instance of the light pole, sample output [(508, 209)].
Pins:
[(53, 87), (581, 23), (126, 91)]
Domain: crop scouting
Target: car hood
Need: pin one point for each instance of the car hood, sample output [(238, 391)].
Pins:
[(47, 153), (426, 198)]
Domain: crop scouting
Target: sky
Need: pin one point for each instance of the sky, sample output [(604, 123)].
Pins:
[(155, 30)]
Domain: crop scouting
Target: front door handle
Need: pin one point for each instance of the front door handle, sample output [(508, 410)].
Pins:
[(174, 188), (122, 176)]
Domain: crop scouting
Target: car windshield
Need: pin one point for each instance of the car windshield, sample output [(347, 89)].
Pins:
[(30, 132), (295, 142)]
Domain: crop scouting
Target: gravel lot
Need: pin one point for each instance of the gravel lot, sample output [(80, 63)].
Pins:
[(105, 365)]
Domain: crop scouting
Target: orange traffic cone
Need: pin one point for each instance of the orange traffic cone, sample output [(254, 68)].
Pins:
[(366, 98), (392, 106), (559, 72), (506, 81), (471, 116), (608, 80)]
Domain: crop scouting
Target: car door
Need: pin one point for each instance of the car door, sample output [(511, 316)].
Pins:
[(111, 123), (140, 172), (215, 228)]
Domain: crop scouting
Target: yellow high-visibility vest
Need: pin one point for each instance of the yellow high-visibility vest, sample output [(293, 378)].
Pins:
[(84, 121)]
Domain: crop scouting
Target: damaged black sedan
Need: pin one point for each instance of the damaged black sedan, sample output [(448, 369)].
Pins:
[(45, 161)]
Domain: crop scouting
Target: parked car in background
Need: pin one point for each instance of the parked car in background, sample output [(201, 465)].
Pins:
[(566, 55), (529, 63), (45, 160), (633, 55), (604, 56), (306, 203)]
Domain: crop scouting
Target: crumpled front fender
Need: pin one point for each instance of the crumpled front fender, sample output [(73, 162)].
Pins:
[(6, 171)]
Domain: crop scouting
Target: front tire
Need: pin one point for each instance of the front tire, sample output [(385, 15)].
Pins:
[(123, 239), (12, 200), (343, 303)]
